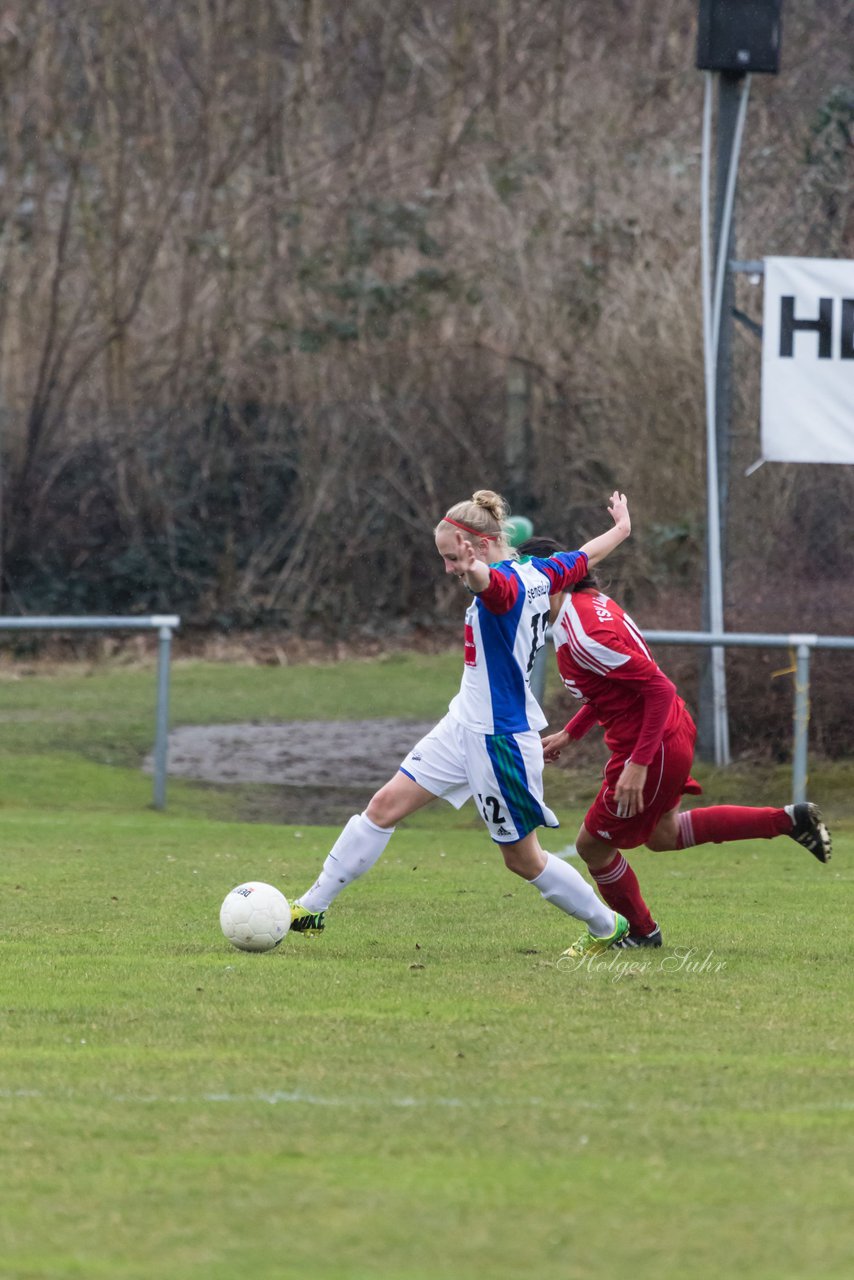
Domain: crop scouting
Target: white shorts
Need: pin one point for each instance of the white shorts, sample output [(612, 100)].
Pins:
[(502, 773)]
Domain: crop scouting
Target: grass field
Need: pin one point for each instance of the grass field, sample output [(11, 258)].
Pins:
[(424, 1092)]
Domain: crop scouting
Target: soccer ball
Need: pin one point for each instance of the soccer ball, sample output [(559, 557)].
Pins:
[(255, 916)]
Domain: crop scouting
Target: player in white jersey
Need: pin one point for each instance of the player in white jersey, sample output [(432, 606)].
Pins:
[(488, 746)]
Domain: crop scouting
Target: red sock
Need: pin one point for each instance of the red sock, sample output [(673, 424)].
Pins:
[(619, 886), (723, 822)]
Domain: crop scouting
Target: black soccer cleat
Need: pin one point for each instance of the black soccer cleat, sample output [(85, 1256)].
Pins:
[(809, 830), (653, 939)]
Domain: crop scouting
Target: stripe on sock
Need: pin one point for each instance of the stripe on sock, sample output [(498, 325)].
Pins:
[(686, 830), (611, 873)]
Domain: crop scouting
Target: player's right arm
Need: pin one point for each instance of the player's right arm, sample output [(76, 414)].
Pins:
[(580, 724), (496, 589), (642, 678), (565, 568)]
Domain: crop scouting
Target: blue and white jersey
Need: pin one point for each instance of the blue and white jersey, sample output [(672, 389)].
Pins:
[(505, 628)]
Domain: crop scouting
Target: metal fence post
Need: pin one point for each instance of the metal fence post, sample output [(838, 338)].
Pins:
[(538, 672), (161, 738), (165, 623), (801, 718)]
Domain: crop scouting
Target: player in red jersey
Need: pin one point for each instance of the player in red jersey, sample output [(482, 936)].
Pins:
[(604, 661)]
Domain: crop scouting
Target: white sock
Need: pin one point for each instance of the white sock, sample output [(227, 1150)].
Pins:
[(353, 853), (561, 884)]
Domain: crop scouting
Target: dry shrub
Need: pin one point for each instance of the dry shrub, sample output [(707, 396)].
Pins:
[(282, 280)]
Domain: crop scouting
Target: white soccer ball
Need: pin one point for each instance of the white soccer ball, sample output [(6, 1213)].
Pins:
[(255, 916)]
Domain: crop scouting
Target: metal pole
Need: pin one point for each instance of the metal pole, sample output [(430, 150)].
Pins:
[(161, 739), (165, 624), (801, 722), (733, 93), (711, 743), (538, 672), (2, 510)]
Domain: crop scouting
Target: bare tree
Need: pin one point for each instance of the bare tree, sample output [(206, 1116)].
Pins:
[(264, 262)]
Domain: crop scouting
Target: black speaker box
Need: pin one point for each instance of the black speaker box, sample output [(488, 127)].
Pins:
[(739, 35)]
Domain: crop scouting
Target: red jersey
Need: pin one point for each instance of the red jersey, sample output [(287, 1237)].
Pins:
[(603, 660)]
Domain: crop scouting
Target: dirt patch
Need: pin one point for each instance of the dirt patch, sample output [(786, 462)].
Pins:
[(316, 753), (317, 771)]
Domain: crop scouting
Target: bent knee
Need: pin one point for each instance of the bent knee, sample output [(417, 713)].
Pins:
[(596, 853), (383, 809), (586, 849), (664, 838), (514, 862), (525, 858)]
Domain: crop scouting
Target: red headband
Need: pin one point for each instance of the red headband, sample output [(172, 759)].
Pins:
[(468, 529)]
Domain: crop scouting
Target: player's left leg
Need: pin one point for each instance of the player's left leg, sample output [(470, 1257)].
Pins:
[(618, 885), (724, 822), (505, 773), (809, 830), (433, 768), (357, 848), (561, 885), (605, 835)]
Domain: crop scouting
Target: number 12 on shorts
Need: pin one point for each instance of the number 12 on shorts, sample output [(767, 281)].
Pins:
[(490, 807)]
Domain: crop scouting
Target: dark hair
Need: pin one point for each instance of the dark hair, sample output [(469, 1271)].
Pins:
[(545, 547)]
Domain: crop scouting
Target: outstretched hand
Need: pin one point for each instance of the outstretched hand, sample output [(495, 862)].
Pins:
[(468, 565), (618, 506), (598, 548), (467, 557)]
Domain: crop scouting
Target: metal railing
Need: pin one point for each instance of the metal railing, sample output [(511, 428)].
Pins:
[(164, 624), (801, 645)]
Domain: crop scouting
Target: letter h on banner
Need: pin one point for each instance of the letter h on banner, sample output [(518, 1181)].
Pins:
[(808, 361), (823, 326)]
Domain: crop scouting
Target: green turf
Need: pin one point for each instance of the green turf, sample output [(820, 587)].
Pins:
[(107, 713), (423, 1092), (55, 722)]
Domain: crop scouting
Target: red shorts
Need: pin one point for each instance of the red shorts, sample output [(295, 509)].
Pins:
[(668, 779)]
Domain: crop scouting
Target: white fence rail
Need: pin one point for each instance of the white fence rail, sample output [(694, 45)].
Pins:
[(164, 625), (801, 645)]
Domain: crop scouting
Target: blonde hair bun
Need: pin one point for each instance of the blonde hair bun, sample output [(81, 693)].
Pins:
[(493, 503)]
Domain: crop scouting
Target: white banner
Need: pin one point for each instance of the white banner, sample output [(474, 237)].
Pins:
[(808, 360)]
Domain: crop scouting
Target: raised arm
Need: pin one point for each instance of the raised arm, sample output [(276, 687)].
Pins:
[(598, 548)]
